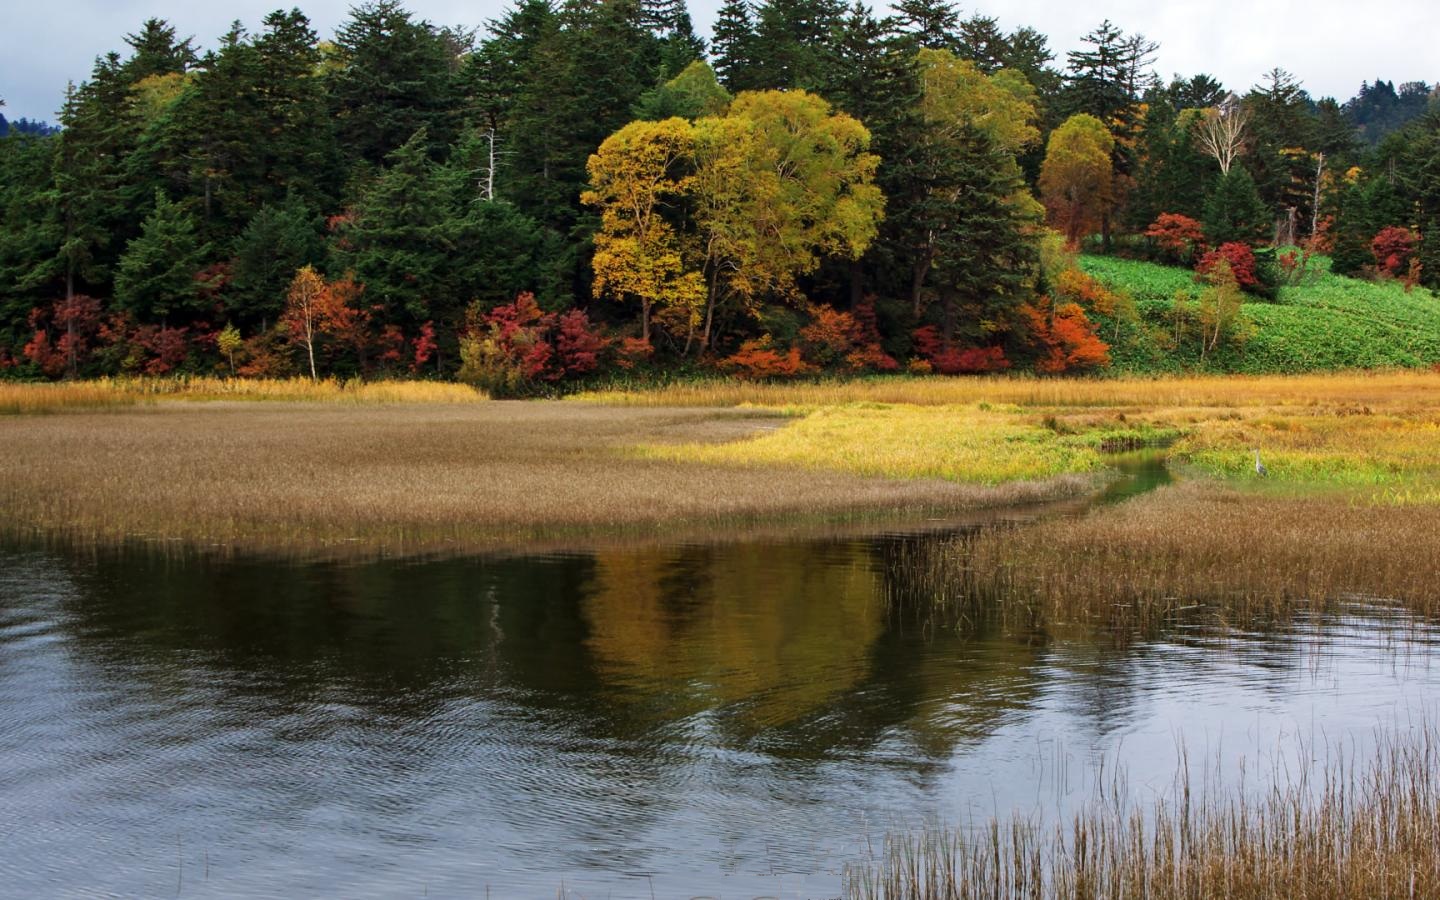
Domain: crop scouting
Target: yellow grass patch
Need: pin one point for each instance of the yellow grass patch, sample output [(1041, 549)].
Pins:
[(957, 443), (1420, 387), (119, 392)]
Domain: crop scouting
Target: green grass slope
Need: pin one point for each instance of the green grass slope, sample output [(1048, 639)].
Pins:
[(1327, 323)]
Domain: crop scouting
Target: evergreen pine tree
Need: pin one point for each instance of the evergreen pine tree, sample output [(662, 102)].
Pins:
[(156, 52), (983, 43), (395, 80), (793, 42), (280, 239), (1366, 207), (930, 24), (1235, 212), (401, 241), (732, 45), (155, 279)]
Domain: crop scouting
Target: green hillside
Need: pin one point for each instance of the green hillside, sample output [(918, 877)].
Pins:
[(1329, 322)]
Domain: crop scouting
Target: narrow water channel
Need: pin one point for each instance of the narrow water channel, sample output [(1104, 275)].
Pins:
[(728, 721)]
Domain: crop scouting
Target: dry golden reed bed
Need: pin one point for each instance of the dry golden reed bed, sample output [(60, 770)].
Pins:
[(415, 476), (1193, 550), (1343, 830), (123, 392), (1409, 387)]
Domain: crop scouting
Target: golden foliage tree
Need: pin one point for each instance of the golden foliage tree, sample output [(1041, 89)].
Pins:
[(638, 175), (1076, 178), (782, 182)]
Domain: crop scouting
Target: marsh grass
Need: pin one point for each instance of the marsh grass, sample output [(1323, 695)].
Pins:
[(20, 398), (1378, 431), (312, 477), (1343, 828), (1187, 552), (1354, 389), (964, 444)]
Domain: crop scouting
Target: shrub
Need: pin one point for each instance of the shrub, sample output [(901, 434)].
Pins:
[(518, 348), (1239, 257), (1177, 239), (1065, 336), (847, 341), (947, 359), (758, 359), (1393, 248)]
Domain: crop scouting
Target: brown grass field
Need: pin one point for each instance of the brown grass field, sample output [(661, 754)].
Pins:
[(419, 477), (403, 466), (1191, 551)]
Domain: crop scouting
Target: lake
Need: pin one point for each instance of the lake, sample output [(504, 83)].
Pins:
[(732, 720)]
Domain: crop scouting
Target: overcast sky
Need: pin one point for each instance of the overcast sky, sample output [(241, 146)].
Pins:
[(1331, 46)]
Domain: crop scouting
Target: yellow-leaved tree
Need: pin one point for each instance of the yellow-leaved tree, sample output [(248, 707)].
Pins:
[(1076, 178), (638, 178), (781, 183), (724, 214)]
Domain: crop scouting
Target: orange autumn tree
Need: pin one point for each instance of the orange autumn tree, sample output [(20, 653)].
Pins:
[(1065, 336), (316, 308), (1076, 179)]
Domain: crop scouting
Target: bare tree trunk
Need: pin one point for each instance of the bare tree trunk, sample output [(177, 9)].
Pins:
[(917, 283), (1315, 210), (712, 297)]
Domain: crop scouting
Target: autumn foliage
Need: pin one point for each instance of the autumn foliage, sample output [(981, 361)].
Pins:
[(1393, 248), (944, 358), (849, 342), (1178, 238), (1239, 257), (1065, 336), (518, 348), (760, 359)]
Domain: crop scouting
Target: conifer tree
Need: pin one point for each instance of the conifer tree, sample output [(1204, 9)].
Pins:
[(280, 239), (155, 279), (732, 45), (1234, 213), (930, 24), (394, 79)]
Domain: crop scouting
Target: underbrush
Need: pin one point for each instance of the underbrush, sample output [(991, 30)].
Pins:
[(1326, 323)]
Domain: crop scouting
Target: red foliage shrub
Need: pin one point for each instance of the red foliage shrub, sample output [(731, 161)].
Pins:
[(970, 361), (64, 335), (633, 352), (578, 344), (1065, 336), (845, 340), (166, 348), (424, 346), (1323, 240), (390, 345), (1241, 259), (950, 360), (1178, 237), (758, 360), (1393, 248), (519, 344)]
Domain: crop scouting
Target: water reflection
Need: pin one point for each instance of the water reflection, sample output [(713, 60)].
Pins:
[(732, 719)]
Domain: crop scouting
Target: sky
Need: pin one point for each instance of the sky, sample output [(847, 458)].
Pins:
[(1330, 45)]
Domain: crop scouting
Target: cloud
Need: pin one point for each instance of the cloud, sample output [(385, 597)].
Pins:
[(1331, 47)]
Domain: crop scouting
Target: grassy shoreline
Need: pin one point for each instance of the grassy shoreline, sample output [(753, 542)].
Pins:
[(410, 467)]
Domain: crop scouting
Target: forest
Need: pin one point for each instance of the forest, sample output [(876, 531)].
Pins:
[(587, 190)]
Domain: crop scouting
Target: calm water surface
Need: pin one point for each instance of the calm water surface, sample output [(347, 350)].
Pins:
[(730, 721)]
